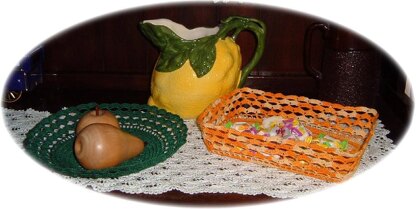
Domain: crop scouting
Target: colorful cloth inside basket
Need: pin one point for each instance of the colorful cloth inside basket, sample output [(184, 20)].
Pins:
[(287, 129)]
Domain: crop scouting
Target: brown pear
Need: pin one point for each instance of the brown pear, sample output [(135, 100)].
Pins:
[(101, 145), (97, 116)]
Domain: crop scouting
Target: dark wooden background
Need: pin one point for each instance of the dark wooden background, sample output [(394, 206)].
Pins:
[(110, 54), (108, 60)]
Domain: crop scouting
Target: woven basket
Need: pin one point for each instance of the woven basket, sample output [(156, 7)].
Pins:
[(51, 140), (355, 124)]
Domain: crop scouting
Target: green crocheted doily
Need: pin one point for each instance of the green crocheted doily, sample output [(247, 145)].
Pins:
[(51, 140)]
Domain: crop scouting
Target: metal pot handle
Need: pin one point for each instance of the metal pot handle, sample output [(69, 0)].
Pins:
[(324, 28)]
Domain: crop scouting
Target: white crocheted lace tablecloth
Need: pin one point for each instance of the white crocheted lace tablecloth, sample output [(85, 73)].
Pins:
[(195, 170)]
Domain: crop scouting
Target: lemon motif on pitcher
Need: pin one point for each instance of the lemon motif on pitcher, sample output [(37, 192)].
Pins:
[(195, 67)]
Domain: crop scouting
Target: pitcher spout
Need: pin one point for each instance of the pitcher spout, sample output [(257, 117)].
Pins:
[(180, 30)]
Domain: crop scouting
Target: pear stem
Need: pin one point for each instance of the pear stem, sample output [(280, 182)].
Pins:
[(97, 110)]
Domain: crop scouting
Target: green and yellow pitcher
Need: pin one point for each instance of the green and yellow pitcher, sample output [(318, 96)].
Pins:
[(197, 66)]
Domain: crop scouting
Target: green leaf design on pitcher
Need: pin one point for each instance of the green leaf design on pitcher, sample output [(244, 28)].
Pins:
[(174, 50), (202, 56)]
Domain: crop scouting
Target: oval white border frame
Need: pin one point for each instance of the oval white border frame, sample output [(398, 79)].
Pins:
[(385, 23)]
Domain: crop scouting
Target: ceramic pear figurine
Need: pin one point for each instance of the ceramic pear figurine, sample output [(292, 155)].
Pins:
[(197, 66), (97, 116), (101, 145)]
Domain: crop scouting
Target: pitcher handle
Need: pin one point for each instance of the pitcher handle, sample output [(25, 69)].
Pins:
[(239, 24), (324, 28)]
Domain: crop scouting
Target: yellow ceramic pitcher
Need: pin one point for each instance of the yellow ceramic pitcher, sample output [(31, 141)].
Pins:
[(197, 66)]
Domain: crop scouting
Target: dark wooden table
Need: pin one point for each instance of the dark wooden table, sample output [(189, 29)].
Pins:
[(394, 114), (48, 98)]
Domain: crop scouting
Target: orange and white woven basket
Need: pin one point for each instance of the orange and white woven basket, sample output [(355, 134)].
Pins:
[(355, 124)]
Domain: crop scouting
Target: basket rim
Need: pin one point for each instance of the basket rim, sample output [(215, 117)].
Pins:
[(225, 99), (292, 96)]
